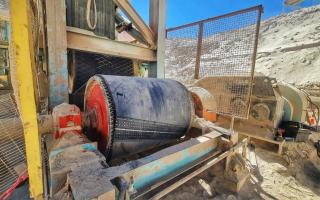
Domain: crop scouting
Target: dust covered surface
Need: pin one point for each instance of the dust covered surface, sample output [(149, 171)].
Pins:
[(289, 47), (271, 177)]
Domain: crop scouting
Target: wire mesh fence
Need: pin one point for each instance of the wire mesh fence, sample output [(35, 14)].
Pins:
[(4, 4), (222, 50), (12, 148)]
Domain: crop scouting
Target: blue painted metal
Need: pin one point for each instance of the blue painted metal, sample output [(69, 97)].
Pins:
[(57, 52), (296, 99), (167, 163), (160, 169), (87, 147), (58, 80)]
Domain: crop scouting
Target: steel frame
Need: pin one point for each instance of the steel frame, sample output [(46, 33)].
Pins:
[(24, 54), (57, 49), (201, 23), (158, 174)]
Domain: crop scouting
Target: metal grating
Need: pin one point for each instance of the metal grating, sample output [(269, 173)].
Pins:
[(12, 148), (4, 4), (223, 47), (181, 53)]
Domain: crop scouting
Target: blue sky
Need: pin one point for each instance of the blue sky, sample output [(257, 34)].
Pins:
[(181, 12)]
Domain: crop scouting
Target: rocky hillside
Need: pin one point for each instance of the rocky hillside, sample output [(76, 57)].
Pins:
[(289, 47)]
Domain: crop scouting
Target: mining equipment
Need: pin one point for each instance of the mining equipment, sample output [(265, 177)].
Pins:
[(92, 128)]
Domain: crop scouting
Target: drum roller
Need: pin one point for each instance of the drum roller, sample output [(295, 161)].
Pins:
[(127, 115)]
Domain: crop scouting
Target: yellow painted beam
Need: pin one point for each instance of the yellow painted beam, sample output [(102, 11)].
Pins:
[(24, 54)]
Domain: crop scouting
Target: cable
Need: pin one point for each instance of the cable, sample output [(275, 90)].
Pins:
[(92, 27)]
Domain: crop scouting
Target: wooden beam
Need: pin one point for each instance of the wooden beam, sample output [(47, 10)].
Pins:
[(57, 51), (83, 40), (24, 57), (135, 18), (154, 16), (157, 24)]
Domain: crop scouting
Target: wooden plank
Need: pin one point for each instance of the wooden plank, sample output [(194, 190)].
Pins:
[(260, 138), (135, 18), (24, 57), (199, 47), (86, 41), (57, 51), (279, 143), (154, 16)]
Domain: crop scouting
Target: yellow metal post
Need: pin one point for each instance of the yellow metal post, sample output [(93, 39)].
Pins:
[(24, 54)]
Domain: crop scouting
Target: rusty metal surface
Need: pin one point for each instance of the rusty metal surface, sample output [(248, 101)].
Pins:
[(223, 46)]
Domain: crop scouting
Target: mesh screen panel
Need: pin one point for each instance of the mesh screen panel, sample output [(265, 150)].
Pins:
[(181, 52), (221, 50), (4, 4), (12, 148)]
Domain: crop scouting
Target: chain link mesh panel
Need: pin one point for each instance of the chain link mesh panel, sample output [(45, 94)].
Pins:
[(12, 148), (221, 50), (4, 4), (181, 51)]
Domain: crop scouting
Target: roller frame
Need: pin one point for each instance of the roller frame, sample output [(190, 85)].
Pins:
[(156, 175)]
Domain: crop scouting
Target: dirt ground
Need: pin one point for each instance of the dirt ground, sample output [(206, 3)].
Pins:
[(294, 175)]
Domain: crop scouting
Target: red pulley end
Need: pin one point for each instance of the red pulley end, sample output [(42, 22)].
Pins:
[(97, 116)]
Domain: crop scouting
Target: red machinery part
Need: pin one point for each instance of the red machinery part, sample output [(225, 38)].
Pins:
[(22, 177), (97, 114), (66, 118)]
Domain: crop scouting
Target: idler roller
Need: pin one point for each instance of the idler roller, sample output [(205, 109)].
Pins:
[(128, 115)]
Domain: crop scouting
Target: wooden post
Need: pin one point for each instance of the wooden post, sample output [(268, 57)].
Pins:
[(57, 51), (136, 67), (22, 41), (157, 23), (199, 47)]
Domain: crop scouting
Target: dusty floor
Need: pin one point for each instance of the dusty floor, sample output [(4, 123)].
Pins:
[(272, 177), (293, 176)]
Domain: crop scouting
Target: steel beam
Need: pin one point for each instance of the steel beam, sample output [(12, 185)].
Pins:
[(146, 32), (83, 40), (24, 54), (146, 174)]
